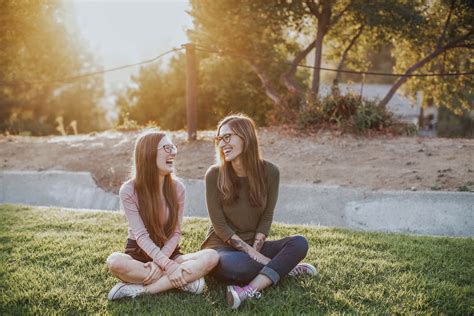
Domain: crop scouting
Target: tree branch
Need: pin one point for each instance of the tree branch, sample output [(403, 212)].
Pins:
[(288, 77), (453, 44), (313, 8), (270, 91), (445, 28), (346, 51)]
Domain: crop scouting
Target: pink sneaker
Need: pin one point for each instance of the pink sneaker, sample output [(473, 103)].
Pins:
[(303, 269), (236, 295)]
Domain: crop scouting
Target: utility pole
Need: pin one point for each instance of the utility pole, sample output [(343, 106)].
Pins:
[(191, 91)]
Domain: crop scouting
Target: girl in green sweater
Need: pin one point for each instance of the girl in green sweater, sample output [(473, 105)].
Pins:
[(241, 194)]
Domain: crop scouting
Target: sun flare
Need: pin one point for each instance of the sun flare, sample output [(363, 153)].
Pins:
[(125, 32)]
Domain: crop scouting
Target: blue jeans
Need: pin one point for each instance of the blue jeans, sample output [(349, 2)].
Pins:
[(237, 267)]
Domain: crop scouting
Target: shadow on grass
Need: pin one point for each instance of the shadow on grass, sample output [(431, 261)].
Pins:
[(52, 261)]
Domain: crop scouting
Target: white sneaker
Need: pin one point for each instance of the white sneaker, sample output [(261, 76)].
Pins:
[(121, 290), (195, 287), (302, 269)]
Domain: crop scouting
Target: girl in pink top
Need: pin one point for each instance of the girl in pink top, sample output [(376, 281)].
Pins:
[(153, 202)]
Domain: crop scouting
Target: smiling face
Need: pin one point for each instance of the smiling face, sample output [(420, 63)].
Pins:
[(165, 156), (230, 143)]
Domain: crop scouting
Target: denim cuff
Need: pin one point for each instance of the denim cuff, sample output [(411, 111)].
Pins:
[(271, 274)]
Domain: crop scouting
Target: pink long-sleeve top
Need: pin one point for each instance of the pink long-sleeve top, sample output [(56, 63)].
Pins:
[(137, 230)]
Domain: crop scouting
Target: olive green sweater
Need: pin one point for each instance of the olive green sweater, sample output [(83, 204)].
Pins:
[(239, 218)]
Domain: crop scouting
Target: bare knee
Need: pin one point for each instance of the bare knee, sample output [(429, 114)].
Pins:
[(117, 263), (211, 258)]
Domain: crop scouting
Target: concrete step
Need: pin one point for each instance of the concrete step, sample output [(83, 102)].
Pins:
[(423, 212)]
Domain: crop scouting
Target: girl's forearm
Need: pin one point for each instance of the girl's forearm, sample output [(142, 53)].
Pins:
[(237, 243)]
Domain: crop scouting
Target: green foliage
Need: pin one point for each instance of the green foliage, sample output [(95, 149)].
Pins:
[(40, 44), (53, 262), (261, 33), (225, 86), (433, 32), (254, 34), (381, 22), (157, 95), (349, 112), (371, 116), (467, 187)]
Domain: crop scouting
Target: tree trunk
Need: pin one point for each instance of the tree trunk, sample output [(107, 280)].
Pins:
[(323, 25), (317, 64), (409, 71)]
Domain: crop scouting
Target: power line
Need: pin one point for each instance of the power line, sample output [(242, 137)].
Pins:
[(89, 74), (221, 53)]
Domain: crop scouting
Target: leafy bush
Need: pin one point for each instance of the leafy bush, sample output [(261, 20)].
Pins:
[(349, 112), (370, 116)]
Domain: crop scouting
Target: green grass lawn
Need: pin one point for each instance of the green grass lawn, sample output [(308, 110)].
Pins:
[(52, 261)]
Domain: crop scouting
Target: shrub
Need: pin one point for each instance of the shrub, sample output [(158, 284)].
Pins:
[(370, 116), (349, 112)]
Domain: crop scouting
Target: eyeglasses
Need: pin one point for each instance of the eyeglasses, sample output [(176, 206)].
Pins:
[(168, 148), (226, 138)]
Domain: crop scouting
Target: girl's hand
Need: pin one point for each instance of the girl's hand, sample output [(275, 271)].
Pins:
[(257, 256), (154, 274), (259, 241), (177, 277)]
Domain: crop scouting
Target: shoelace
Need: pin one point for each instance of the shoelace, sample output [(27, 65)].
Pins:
[(299, 269), (252, 293)]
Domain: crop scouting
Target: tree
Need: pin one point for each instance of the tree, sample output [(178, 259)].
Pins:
[(38, 49), (251, 31), (264, 33), (444, 42), (158, 93), (362, 37)]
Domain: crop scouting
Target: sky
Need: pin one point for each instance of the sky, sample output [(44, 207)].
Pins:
[(126, 32)]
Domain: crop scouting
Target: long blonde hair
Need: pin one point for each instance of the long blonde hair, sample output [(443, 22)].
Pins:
[(227, 181), (147, 184)]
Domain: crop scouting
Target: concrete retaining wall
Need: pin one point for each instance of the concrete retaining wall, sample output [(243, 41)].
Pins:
[(426, 213), (55, 188)]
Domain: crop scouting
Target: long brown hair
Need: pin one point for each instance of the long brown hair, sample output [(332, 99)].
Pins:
[(147, 184), (227, 181)]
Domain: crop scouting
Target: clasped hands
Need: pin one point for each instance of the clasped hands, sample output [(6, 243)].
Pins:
[(176, 277)]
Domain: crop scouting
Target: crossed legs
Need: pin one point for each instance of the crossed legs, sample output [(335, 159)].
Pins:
[(129, 270)]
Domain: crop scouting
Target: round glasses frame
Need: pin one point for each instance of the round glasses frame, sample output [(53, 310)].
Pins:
[(169, 148), (226, 138)]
